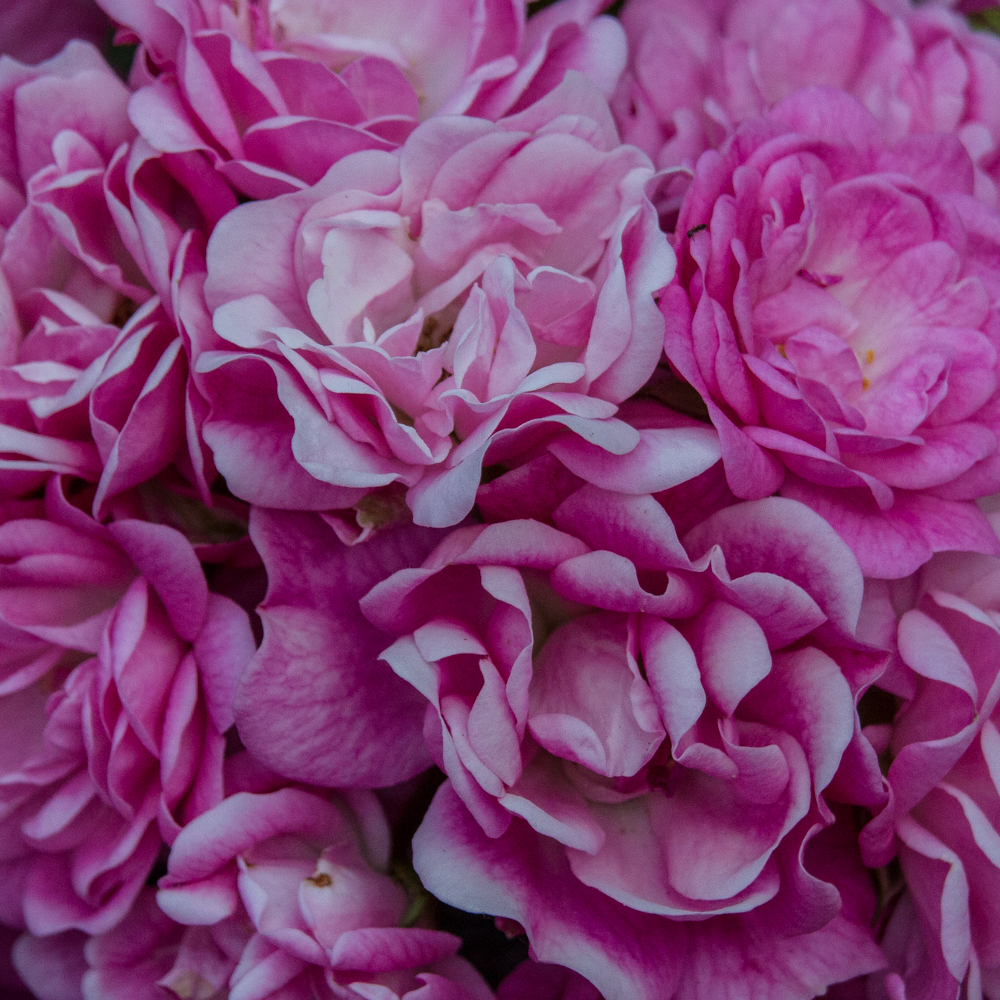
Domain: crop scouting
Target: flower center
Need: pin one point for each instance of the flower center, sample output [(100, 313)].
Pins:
[(438, 326)]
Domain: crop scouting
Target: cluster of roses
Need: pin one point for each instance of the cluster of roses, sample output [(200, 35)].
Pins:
[(411, 494)]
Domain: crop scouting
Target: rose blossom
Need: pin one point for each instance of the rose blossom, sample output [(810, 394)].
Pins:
[(118, 671), (943, 817), (65, 338), (697, 70), (638, 734), (134, 406), (142, 953), (398, 57), (60, 123), (269, 122), (408, 319), (95, 228), (145, 952), (309, 874), (835, 309), (318, 661)]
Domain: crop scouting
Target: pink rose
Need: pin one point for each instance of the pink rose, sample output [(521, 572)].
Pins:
[(90, 231), (141, 956), (697, 70), (319, 659), (399, 58), (134, 407), (309, 874), (60, 124), (643, 736), (835, 307), (943, 818), (266, 121), (475, 56), (411, 318), (119, 667), (113, 407)]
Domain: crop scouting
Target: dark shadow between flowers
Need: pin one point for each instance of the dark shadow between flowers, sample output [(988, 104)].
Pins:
[(492, 951)]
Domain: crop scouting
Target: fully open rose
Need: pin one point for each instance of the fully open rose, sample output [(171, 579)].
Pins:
[(835, 308), (319, 659), (638, 734), (410, 318), (309, 877), (118, 667), (101, 265), (697, 70)]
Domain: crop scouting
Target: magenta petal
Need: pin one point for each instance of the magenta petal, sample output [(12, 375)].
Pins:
[(53, 905), (674, 677), (153, 430), (587, 705), (768, 536), (91, 102), (241, 445), (662, 458), (509, 543), (616, 948), (732, 653), (319, 660), (892, 544), (212, 840), (946, 454), (165, 558), (632, 526), (305, 148), (203, 901), (52, 967), (626, 954), (267, 970), (223, 648), (808, 693), (384, 949)]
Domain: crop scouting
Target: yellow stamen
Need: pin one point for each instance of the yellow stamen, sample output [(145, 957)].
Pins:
[(782, 351), (869, 356), (865, 384)]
